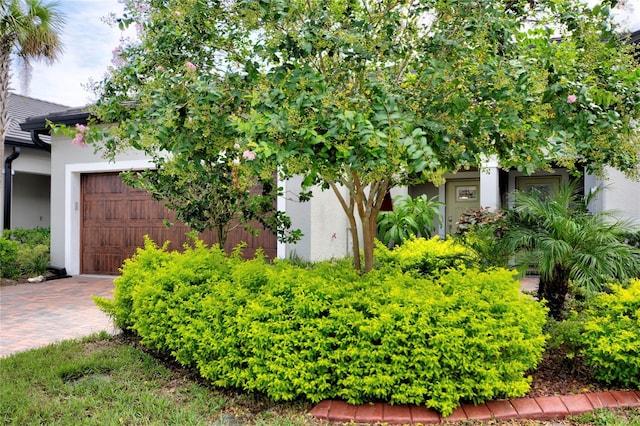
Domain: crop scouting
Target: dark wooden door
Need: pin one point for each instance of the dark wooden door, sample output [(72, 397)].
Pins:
[(115, 218)]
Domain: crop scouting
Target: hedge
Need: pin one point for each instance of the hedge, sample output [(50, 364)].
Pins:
[(327, 332), (611, 335)]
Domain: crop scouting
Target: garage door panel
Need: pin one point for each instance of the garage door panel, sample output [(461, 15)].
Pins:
[(99, 263), (115, 219), (145, 210), (104, 236), (103, 209), (108, 184)]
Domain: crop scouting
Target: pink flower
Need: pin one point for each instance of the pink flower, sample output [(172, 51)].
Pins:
[(79, 140), (249, 155), (236, 145), (142, 7), (190, 66), (117, 58), (79, 137), (571, 99), (159, 68)]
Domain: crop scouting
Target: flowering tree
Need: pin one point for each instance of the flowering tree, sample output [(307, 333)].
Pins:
[(360, 96)]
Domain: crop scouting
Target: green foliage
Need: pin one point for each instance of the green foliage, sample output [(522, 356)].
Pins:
[(611, 330), (29, 236), (410, 216), (633, 239), (561, 239), (364, 96), (325, 331), (9, 266), (627, 416), (482, 231), (24, 252), (566, 335), (427, 256)]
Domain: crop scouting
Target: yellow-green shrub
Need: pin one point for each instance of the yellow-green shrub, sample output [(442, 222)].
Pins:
[(426, 256), (611, 335), (327, 332)]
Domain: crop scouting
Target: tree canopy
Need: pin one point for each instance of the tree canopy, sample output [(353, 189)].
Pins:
[(360, 95)]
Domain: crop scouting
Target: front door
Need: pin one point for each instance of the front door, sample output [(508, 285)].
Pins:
[(461, 195)]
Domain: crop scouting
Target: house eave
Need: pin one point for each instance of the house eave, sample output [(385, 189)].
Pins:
[(40, 124)]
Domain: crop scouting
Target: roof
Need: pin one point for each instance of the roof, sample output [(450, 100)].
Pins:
[(69, 117), (20, 108)]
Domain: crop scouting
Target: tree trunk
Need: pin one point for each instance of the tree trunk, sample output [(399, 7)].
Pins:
[(348, 208), (6, 44), (554, 290)]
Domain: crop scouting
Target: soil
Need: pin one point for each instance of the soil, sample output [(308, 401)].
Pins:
[(559, 375)]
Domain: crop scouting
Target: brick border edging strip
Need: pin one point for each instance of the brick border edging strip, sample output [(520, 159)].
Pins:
[(540, 408)]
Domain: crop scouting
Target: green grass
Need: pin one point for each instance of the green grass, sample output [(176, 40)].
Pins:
[(102, 380), (621, 417)]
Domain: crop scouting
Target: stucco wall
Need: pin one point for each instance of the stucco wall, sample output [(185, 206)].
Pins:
[(33, 161), (30, 207), (68, 162), (321, 220), (621, 195)]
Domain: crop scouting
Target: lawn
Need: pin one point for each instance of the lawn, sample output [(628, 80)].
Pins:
[(105, 380)]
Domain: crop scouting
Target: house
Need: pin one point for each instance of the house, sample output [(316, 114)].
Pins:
[(27, 167), (97, 222)]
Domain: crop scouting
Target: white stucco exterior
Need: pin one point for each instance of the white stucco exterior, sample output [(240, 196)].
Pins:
[(30, 187), (321, 220), (620, 195), (69, 161)]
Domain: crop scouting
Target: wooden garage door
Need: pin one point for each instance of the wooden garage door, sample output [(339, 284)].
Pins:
[(115, 219)]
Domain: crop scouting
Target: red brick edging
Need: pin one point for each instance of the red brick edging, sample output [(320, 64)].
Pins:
[(542, 408)]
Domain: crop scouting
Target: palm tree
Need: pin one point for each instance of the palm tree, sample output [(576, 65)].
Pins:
[(30, 29), (560, 238)]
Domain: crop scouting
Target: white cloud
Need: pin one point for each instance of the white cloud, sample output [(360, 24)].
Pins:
[(89, 43)]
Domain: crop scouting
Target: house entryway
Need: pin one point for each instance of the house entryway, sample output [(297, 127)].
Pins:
[(461, 195), (115, 218)]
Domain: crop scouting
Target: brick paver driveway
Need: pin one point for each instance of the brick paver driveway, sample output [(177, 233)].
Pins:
[(33, 315)]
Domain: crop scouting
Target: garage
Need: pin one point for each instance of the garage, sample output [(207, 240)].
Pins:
[(115, 218)]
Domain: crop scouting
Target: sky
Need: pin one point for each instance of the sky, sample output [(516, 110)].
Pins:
[(88, 43)]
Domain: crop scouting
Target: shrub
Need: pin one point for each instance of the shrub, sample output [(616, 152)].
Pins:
[(427, 256), (9, 267), (29, 236), (327, 332), (610, 337), (472, 219), (410, 216), (24, 252)]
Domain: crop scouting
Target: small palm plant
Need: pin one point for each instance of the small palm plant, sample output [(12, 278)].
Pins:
[(560, 238), (411, 216)]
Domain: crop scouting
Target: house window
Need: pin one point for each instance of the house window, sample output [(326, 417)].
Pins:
[(467, 193)]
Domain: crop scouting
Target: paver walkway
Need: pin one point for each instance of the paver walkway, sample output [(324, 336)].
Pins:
[(33, 315)]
